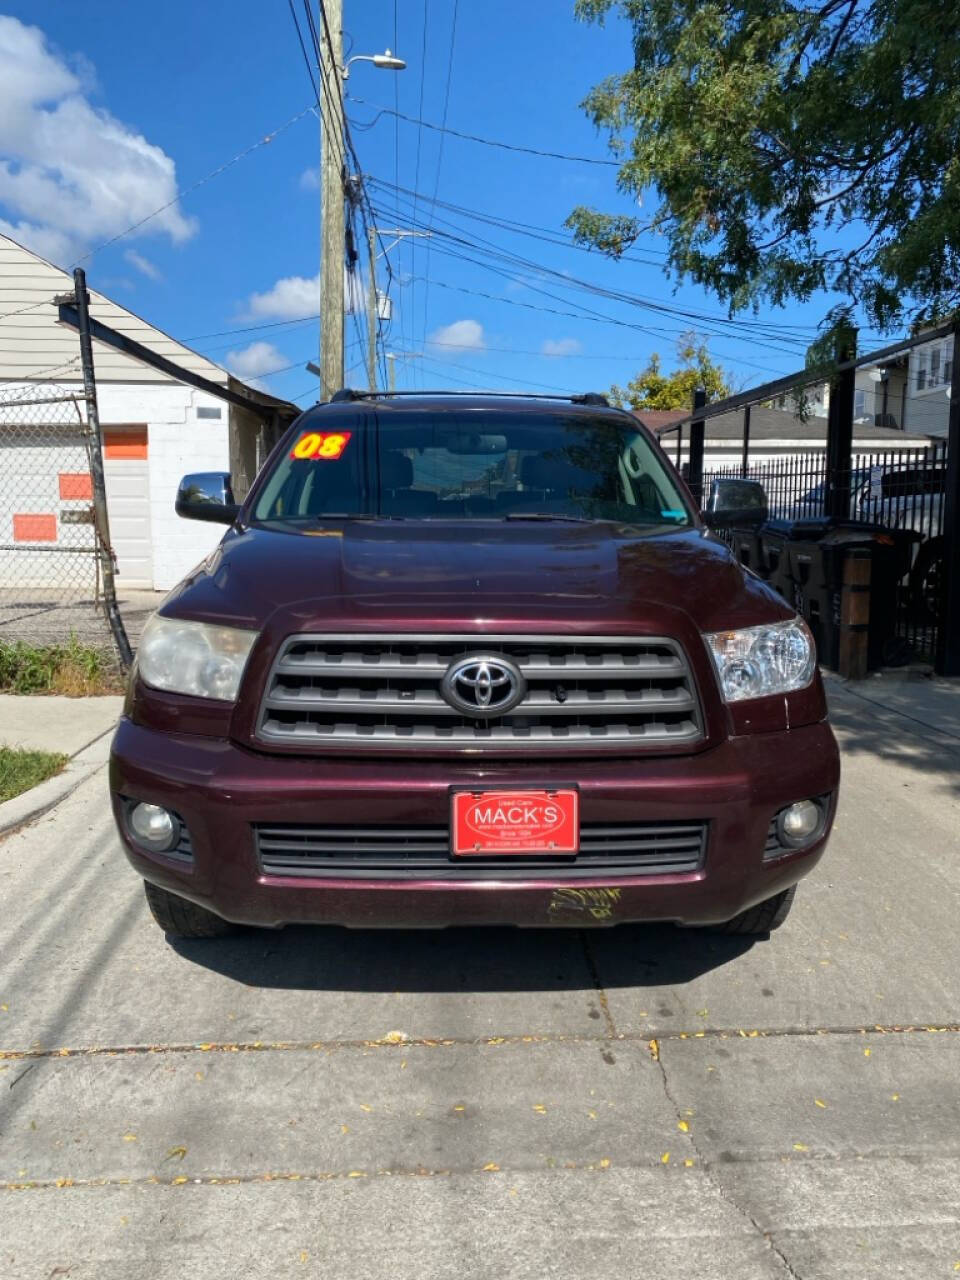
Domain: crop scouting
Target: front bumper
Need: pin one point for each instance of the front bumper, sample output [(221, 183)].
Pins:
[(220, 789)]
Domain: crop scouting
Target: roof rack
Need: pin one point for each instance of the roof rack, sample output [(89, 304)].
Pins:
[(585, 397)]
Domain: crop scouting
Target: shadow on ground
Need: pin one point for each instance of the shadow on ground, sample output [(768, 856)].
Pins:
[(451, 960), (866, 727)]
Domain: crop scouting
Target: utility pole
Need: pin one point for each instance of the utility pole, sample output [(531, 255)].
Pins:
[(392, 365), (332, 236), (372, 311)]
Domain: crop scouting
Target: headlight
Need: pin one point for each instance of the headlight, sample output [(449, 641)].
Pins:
[(759, 661), (194, 658)]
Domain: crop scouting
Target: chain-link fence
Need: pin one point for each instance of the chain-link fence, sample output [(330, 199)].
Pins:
[(51, 559)]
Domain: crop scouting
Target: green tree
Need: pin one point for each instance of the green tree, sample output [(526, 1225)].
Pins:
[(794, 147), (654, 389)]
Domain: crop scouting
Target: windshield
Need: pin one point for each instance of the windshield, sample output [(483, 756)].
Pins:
[(485, 465)]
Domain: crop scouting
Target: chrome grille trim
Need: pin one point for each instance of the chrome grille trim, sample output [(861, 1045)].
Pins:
[(383, 691), (423, 852)]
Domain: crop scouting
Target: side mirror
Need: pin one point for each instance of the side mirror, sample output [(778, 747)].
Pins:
[(733, 503), (207, 495)]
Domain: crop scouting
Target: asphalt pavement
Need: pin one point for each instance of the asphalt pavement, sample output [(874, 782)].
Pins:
[(635, 1101)]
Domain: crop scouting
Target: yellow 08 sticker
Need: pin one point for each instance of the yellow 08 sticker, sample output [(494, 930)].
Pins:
[(325, 446)]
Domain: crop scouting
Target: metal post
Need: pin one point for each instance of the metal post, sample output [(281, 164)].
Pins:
[(679, 445), (948, 642), (695, 476), (96, 471), (372, 311), (332, 233), (840, 439), (745, 463)]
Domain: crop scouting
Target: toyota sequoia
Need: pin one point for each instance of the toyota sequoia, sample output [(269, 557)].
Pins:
[(467, 660)]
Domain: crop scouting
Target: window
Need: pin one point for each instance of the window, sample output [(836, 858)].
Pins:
[(859, 404), (921, 370), (208, 411), (489, 465), (934, 367)]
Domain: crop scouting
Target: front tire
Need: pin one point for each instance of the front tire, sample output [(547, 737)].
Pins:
[(182, 918), (764, 917)]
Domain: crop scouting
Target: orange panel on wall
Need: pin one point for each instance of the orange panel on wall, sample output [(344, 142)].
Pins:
[(75, 484), (34, 528), (124, 442)]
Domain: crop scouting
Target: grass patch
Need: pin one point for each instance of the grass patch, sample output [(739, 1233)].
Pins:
[(73, 669), (21, 770)]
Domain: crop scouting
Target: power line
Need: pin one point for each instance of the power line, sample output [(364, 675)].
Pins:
[(416, 180), (472, 137), (436, 184)]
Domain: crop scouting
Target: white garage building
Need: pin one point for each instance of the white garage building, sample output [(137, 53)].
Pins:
[(154, 427)]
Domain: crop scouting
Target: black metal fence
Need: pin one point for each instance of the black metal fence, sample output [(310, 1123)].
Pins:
[(899, 493)]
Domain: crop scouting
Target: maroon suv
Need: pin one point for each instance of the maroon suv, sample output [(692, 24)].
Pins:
[(470, 660)]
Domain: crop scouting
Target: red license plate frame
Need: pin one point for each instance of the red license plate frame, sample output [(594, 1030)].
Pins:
[(504, 822)]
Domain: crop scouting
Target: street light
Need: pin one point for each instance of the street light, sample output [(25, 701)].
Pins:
[(386, 61)]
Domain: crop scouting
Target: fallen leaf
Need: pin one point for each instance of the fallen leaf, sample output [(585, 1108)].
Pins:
[(604, 1163), (654, 1048), (176, 1153), (683, 1126), (344, 1128), (665, 1158), (395, 1037), (866, 1053), (130, 1137), (178, 1182), (198, 1075), (688, 1164), (818, 1102), (491, 1168), (799, 1146), (592, 1115), (364, 1107), (540, 1108), (701, 1013), (894, 1097), (304, 1255), (356, 1173), (459, 1107)]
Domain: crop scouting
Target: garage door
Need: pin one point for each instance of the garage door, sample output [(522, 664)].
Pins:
[(128, 503)]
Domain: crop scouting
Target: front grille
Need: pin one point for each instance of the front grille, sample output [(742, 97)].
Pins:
[(415, 852), (373, 691)]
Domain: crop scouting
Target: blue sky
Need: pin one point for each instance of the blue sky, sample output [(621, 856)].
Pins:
[(116, 106)]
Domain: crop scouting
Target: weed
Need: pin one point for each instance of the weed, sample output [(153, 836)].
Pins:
[(21, 770), (73, 669)]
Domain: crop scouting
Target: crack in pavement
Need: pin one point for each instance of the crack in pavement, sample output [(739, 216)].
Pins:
[(399, 1043), (710, 1171), (598, 987)]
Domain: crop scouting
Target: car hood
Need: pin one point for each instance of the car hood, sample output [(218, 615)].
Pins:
[(422, 575)]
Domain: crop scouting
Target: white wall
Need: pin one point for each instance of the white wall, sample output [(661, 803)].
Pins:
[(178, 442), (928, 406)]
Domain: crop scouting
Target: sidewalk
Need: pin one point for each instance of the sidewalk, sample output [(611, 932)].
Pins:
[(54, 723)]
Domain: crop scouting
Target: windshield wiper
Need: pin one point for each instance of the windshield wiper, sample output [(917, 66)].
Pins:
[(355, 515), (548, 515)]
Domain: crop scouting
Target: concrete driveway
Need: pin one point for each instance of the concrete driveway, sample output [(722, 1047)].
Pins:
[(639, 1102)]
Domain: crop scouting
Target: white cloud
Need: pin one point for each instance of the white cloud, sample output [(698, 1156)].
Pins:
[(255, 362), (468, 335), (142, 264), (298, 297), (289, 299), (561, 347), (71, 174), (310, 180)]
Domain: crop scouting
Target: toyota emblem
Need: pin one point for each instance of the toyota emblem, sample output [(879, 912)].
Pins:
[(483, 687)]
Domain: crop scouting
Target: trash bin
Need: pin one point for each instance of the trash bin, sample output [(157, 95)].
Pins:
[(804, 561)]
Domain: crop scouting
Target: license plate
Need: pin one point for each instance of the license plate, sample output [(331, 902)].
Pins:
[(491, 823)]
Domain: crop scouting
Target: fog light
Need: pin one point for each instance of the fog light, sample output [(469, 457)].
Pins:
[(799, 822), (154, 827)]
